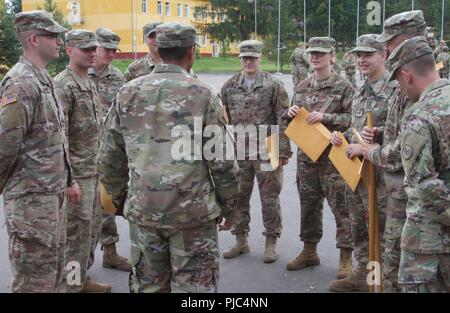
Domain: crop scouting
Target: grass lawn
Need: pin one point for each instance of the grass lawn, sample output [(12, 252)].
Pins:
[(214, 65)]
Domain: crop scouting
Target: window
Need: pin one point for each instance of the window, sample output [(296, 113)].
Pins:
[(197, 40), (159, 8), (186, 10), (179, 10), (204, 41), (204, 15), (167, 8), (144, 6)]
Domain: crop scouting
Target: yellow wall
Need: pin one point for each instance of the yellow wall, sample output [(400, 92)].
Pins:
[(119, 16)]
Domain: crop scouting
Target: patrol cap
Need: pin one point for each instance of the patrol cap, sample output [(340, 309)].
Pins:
[(321, 44), (410, 22), (150, 28), (250, 48), (175, 35), (369, 43), (81, 38), (408, 51), (37, 20), (107, 38)]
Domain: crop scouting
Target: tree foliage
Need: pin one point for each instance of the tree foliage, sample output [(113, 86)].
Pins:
[(9, 46)]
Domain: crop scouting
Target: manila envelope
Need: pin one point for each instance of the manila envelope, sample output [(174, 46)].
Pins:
[(439, 66), (273, 150), (106, 201), (348, 168), (311, 139)]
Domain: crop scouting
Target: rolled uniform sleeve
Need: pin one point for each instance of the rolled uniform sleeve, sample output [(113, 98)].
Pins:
[(16, 111), (423, 179), (224, 172), (112, 163)]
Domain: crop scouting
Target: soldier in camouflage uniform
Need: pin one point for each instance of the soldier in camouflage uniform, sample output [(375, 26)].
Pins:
[(328, 98), (83, 115), (373, 96), (256, 98), (397, 29), (349, 64), (172, 202), (300, 64), (444, 57), (146, 64), (34, 168), (425, 153), (108, 80)]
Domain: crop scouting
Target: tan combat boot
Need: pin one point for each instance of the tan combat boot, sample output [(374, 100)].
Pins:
[(112, 260), (240, 247), (308, 257), (270, 255), (355, 282), (91, 286), (345, 263)]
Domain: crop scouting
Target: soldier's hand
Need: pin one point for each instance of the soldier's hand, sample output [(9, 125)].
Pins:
[(73, 193), (370, 134), (336, 138), (293, 111), (354, 150), (314, 117), (226, 224), (284, 161)]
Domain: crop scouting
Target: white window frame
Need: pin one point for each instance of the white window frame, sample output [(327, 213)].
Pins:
[(167, 8), (159, 8), (144, 6), (187, 11), (204, 40)]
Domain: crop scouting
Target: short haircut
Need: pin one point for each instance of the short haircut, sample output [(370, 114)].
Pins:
[(173, 54), (422, 66), (22, 37)]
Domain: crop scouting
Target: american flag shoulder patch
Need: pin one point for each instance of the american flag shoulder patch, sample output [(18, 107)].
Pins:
[(11, 98)]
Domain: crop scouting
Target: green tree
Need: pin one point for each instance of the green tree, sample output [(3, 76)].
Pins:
[(9, 46), (60, 64)]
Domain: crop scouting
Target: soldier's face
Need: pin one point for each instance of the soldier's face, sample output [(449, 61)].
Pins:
[(250, 65), (48, 44), (320, 60), (151, 42), (395, 42), (370, 63), (84, 58), (105, 56)]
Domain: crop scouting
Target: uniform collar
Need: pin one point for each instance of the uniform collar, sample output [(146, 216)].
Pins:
[(106, 72), (42, 75), (433, 86), (258, 80), (169, 68), (375, 87), (83, 84)]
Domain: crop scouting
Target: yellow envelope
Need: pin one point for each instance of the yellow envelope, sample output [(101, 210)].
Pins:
[(273, 150), (439, 66), (364, 172), (106, 201), (311, 139), (349, 169)]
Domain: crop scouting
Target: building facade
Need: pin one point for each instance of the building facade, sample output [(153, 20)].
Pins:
[(127, 17)]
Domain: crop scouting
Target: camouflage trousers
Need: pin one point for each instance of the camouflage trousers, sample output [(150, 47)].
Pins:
[(36, 225), (270, 184), (109, 229), (299, 73), (358, 204), (84, 222), (395, 219), (315, 182), (177, 260), (424, 273)]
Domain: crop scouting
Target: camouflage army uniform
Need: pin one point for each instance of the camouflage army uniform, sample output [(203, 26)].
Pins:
[(108, 84), (34, 169), (349, 64), (387, 156), (138, 68), (336, 68), (425, 146), (316, 181), (262, 104), (299, 60), (444, 57), (83, 115), (172, 205)]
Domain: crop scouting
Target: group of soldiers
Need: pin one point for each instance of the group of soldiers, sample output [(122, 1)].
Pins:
[(60, 139)]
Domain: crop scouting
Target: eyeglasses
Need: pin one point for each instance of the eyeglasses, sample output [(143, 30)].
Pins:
[(249, 59)]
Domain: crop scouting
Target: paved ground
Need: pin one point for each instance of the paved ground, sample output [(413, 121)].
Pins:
[(247, 273)]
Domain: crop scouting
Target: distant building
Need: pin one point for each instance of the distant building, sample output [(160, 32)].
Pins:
[(127, 17)]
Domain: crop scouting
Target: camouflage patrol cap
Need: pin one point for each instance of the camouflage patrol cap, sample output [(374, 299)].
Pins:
[(407, 52), (250, 48), (410, 22), (150, 28), (107, 38), (81, 38), (37, 20), (175, 35), (369, 43), (321, 44)]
